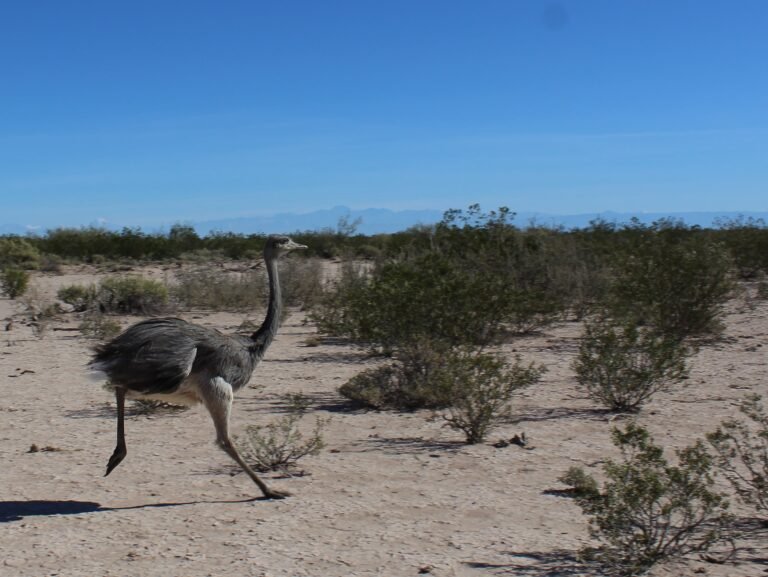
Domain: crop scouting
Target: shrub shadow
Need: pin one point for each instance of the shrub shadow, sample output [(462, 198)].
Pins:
[(559, 563), (547, 414), (319, 401), (131, 411), (410, 445), (100, 412), (750, 535), (341, 358)]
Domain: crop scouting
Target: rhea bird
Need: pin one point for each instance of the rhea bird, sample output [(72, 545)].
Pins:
[(171, 360)]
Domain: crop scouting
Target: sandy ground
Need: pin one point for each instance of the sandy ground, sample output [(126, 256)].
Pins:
[(392, 494)]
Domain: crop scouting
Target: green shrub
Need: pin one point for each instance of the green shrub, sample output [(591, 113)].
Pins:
[(742, 453), (50, 263), (80, 297), (672, 278), (474, 388), (747, 241), (98, 326), (517, 269), (401, 303), (621, 367), (279, 445), (469, 280), (216, 289), (301, 281), (132, 295), (582, 485), (416, 379), (480, 387), (18, 253), (14, 282), (332, 312), (649, 511)]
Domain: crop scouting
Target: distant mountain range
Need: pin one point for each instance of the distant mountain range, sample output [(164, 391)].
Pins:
[(380, 220)]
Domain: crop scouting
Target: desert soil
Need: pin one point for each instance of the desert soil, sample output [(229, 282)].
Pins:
[(392, 494)]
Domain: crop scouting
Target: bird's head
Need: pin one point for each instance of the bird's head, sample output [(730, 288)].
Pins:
[(278, 245)]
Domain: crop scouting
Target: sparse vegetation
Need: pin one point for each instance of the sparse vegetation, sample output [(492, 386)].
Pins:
[(671, 278), (96, 325), (480, 389), (581, 484), (747, 241), (120, 294), (212, 288), (80, 297), (18, 253), (301, 281), (416, 379), (471, 280), (741, 448), (133, 295), (649, 511), (279, 445), (622, 366), (14, 282), (433, 302)]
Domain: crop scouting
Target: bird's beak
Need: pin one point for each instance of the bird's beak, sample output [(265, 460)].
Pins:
[(294, 245)]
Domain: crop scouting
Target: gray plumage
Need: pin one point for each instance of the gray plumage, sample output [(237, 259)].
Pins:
[(155, 356), (173, 360)]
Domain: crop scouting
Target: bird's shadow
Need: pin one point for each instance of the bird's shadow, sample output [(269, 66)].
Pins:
[(18, 510)]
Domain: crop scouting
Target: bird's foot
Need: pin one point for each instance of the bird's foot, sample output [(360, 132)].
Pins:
[(115, 459), (275, 494)]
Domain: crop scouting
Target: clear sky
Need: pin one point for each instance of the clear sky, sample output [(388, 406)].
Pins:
[(148, 112)]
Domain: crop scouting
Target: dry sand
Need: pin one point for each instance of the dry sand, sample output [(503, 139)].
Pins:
[(393, 494)]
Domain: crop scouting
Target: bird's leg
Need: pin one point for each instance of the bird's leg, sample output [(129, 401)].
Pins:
[(120, 450), (218, 400)]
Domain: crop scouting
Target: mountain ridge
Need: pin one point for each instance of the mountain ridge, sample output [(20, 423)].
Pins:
[(381, 220)]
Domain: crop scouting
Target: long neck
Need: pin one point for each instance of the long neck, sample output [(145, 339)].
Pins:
[(263, 337)]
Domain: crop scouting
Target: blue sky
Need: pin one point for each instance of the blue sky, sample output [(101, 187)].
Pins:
[(149, 113)]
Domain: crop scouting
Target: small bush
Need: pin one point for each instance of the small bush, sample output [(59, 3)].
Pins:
[(301, 281), (216, 289), (132, 295), (742, 453), (480, 388), (335, 311), (80, 297), (671, 278), (50, 263), (18, 253), (649, 511), (14, 282), (297, 403), (418, 378), (429, 297), (98, 326), (280, 445), (623, 366), (582, 485), (747, 239)]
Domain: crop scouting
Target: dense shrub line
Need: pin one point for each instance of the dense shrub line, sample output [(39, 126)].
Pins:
[(745, 240)]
